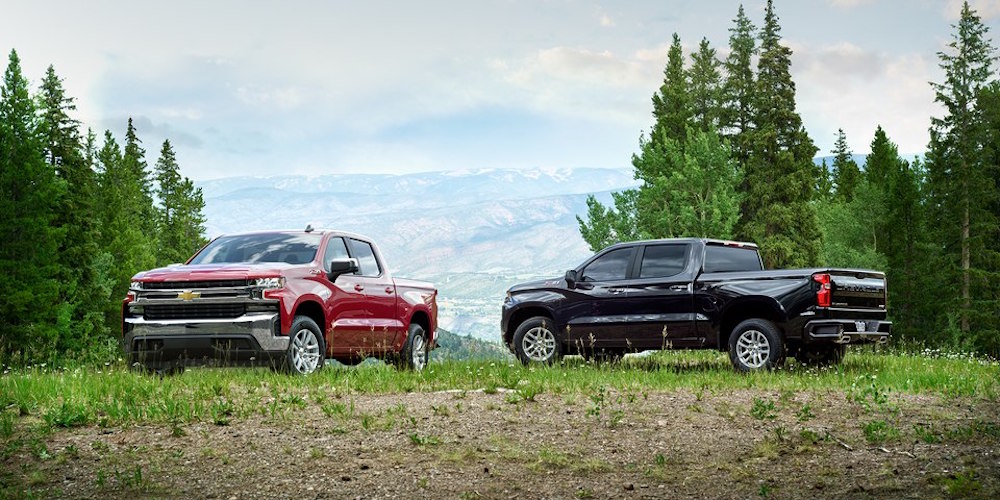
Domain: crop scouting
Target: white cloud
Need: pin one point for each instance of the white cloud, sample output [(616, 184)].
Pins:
[(986, 9), (848, 3), (849, 87), (606, 21), (279, 98)]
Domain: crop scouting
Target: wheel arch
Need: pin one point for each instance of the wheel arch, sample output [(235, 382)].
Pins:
[(314, 311), (520, 316), (748, 308)]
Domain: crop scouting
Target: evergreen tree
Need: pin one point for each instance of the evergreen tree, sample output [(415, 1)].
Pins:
[(705, 87), (824, 182), (123, 221), (74, 216), (672, 105), (737, 94), (910, 273), (961, 189), (29, 193), (780, 174), (180, 221), (883, 160), (846, 173)]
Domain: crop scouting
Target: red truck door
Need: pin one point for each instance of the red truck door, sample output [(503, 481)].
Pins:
[(345, 308), (380, 300)]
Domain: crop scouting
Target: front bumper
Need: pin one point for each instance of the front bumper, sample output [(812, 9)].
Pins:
[(846, 331), (248, 338)]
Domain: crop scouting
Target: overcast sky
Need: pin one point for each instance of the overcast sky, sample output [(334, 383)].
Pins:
[(317, 87)]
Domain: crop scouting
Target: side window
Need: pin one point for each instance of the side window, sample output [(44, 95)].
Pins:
[(723, 259), (366, 258), (335, 249), (611, 266), (662, 261)]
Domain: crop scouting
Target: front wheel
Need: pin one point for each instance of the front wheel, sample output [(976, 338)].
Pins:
[(416, 350), (535, 341), (756, 344), (306, 349)]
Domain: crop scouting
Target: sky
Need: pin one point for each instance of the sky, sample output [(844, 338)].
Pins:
[(259, 88)]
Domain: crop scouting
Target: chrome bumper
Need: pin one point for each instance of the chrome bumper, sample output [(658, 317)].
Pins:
[(849, 331), (264, 328)]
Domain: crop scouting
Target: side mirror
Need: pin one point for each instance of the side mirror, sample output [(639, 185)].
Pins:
[(341, 266), (571, 278)]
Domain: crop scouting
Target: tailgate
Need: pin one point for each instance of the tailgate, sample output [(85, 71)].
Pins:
[(858, 289)]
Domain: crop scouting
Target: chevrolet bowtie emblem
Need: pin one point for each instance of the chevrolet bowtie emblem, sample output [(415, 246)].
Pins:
[(188, 295)]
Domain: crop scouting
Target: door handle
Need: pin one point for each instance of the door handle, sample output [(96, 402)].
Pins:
[(388, 290), (616, 291), (678, 288), (358, 287)]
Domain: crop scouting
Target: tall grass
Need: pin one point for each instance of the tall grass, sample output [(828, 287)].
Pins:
[(114, 395)]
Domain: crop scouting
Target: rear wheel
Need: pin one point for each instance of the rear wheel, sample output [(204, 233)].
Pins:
[(535, 341), (306, 349), (756, 344), (416, 351), (821, 355)]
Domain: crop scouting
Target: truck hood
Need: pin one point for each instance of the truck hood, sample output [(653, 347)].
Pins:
[(203, 272), (539, 284)]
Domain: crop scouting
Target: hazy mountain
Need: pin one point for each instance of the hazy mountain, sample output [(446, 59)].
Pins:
[(474, 234)]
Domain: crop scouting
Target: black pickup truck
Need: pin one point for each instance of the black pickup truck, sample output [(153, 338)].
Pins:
[(695, 294)]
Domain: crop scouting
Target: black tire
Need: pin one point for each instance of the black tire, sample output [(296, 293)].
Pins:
[(756, 344), (821, 355), (416, 350), (537, 341), (306, 347)]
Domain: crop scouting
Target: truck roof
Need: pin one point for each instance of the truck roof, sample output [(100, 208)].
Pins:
[(706, 241)]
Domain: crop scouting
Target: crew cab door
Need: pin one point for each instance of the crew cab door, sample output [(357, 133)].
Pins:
[(345, 308), (661, 303), (597, 306), (380, 299)]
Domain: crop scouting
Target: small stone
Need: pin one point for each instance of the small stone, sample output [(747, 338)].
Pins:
[(345, 478), (629, 487)]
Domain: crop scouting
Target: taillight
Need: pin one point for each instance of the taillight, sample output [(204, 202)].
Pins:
[(823, 294)]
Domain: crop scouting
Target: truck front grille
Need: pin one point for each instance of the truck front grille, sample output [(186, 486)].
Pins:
[(193, 311), (194, 285)]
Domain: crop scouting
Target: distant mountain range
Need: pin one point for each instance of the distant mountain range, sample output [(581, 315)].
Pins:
[(472, 233)]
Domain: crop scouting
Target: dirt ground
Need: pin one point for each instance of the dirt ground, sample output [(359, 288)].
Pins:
[(739, 444)]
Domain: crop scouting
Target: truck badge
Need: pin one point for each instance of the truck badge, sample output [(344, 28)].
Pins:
[(860, 325), (188, 295)]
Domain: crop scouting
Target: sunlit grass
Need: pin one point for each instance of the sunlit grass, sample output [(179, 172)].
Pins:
[(113, 395)]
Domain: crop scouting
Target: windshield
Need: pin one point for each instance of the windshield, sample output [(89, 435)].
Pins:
[(265, 247)]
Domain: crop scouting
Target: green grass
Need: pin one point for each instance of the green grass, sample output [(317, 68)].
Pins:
[(111, 396)]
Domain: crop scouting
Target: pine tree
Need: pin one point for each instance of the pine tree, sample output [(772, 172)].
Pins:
[(883, 160), (824, 182), (136, 170), (780, 175), (74, 216), (671, 105), (736, 115), (124, 221), (180, 222), (705, 87), (846, 173), (29, 193), (960, 187)]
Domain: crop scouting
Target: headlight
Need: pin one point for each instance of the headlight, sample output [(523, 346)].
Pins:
[(269, 283), (135, 285)]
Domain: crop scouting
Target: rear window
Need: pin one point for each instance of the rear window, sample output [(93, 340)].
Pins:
[(727, 259)]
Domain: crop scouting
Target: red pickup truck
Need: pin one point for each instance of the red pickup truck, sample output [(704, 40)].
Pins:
[(290, 299)]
